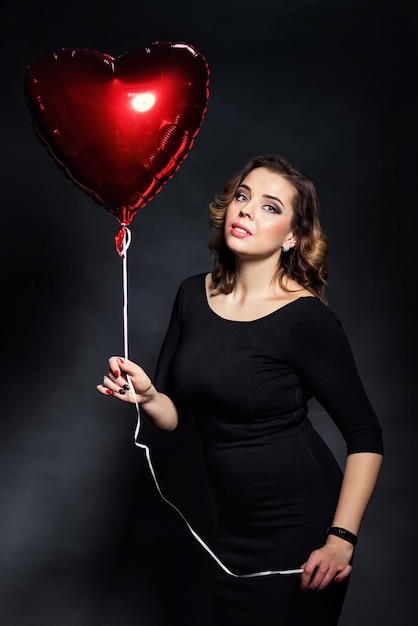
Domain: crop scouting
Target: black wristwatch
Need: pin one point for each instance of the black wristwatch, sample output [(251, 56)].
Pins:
[(343, 534)]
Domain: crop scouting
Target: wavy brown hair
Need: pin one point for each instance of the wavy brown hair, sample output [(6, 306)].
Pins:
[(306, 262)]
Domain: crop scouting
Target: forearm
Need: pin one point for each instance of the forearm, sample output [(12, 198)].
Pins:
[(160, 409), (360, 476)]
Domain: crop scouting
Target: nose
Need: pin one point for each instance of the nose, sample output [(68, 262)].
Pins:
[(246, 211)]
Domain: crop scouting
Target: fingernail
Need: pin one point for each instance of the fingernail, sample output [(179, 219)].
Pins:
[(109, 392), (122, 392), (126, 387), (337, 579), (121, 360), (116, 374)]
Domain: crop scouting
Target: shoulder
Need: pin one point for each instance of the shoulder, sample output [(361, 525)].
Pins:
[(190, 293), (311, 308), (193, 283), (315, 325)]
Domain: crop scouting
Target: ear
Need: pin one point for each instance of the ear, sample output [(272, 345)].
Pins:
[(290, 241)]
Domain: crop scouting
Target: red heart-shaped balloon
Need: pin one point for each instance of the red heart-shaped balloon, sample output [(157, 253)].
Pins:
[(119, 127)]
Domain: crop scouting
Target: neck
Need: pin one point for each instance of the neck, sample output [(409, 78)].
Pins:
[(255, 277)]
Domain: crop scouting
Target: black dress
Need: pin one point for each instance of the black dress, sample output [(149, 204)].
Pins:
[(275, 482)]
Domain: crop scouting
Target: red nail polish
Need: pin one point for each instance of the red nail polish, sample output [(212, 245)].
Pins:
[(116, 374), (109, 392), (337, 579), (121, 360)]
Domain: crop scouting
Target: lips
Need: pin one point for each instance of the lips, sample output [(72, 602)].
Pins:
[(239, 230)]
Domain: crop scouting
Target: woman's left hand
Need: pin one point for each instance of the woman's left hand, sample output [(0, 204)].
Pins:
[(331, 563)]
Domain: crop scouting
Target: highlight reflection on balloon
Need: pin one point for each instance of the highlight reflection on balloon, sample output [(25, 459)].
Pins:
[(119, 127), (143, 101)]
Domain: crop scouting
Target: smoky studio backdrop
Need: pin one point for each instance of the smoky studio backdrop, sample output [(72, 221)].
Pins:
[(86, 539)]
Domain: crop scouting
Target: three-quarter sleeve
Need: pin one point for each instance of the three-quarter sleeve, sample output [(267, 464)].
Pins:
[(320, 353), (163, 377)]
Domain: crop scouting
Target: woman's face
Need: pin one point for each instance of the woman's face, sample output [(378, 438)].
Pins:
[(258, 220)]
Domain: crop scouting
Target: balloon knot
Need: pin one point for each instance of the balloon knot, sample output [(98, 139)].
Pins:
[(119, 241), (123, 240)]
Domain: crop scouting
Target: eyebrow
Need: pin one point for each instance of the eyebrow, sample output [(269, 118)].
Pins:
[(265, 195)]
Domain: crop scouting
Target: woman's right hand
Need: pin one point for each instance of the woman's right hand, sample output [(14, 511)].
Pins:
[(126, 381)]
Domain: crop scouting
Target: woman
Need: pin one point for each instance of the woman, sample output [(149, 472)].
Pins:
[(247, 346)]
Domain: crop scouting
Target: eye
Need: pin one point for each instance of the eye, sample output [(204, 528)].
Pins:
[(241, 197), (271, 209)]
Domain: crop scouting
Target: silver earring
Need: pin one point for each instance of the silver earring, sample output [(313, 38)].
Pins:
[(286, 247)]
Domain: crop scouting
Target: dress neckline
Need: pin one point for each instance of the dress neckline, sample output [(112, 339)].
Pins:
[(257, 319)]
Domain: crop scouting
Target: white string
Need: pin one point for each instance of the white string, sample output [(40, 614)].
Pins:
[(126, 243)]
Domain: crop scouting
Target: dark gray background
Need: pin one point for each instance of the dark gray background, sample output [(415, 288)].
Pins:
[(330, 84)]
